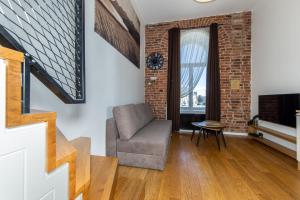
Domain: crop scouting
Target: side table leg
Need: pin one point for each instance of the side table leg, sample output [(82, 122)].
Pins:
[(199, 136), (223, 137), (193, 134), (217, 138)]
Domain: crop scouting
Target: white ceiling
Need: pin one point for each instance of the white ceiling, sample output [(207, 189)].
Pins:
[(155, 11)]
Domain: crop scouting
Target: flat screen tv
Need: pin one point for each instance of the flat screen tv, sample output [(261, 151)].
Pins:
[(279, 109)]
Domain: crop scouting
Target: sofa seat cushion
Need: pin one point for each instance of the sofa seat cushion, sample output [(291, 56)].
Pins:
[(127, 121), (153, 139)]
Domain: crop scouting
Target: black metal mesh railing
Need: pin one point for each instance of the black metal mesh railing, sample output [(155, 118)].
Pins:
[(51, 33)]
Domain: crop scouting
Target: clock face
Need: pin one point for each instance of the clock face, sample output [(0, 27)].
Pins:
[(155, 61)]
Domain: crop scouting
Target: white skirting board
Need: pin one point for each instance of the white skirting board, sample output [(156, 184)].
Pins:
[(236, 134)]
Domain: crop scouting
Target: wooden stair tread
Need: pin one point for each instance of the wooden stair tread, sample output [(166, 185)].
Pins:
[(103, 177), (83, 167), (64, 149), (35, 111), (9, 54)]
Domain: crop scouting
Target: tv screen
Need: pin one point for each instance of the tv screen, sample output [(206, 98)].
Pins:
[(279, 109)]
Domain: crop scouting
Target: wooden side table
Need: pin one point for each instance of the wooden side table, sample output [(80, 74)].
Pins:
[(209, 126)]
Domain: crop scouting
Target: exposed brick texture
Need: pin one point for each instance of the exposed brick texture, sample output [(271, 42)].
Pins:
[(235, 64)]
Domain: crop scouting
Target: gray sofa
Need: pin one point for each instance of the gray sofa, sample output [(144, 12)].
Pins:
[(136, 138)]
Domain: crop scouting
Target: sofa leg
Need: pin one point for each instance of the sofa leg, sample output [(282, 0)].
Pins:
[(223, 137)]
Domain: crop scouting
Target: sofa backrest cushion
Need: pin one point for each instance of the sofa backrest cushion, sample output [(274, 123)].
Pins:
[(127, 121), (144, 113)]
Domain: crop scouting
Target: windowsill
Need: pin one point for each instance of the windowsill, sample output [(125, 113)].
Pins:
[(192, 112)]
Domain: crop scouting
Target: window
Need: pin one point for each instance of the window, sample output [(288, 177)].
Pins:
[(194, 56)]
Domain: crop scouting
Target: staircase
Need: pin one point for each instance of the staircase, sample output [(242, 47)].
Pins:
[(89, 177)]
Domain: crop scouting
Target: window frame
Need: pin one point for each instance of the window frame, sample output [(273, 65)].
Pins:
[(191, 109)]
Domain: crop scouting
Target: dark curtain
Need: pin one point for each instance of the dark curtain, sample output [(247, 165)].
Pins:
[(213, 91), (174, 78)]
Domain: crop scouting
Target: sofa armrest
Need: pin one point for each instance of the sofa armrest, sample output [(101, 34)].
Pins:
[(111, 137)]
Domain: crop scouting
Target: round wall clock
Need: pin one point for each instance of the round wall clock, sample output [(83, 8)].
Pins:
[(155, 61)]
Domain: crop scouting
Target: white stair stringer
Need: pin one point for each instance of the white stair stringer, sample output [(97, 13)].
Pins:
[(23, 174), (23, 166)]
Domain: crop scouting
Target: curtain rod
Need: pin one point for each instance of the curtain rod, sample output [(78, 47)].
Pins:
[(189, 28), (196, 27)]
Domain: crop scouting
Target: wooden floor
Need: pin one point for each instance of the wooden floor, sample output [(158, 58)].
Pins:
[(245, 170)]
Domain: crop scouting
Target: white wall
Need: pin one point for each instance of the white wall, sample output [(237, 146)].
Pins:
[(276, 58), (111, 79), (276, 43)]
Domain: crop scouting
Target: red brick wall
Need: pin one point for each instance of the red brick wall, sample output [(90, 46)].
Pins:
[(235, 64)]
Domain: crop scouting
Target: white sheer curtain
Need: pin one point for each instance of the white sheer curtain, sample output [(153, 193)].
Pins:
[(194, 55)]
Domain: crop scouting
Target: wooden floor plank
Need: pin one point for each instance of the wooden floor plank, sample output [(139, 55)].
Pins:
[(103, 177), (247, 169)]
